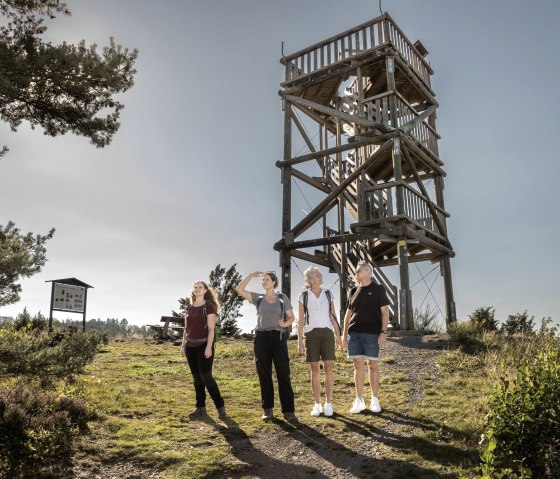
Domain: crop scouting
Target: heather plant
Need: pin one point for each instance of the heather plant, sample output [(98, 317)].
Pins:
[(37, 429)]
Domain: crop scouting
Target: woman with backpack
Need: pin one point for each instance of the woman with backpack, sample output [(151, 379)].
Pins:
[(198, 347), (317, 329), (274, 315)]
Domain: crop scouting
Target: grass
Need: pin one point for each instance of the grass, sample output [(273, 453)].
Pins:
[(142, 393)]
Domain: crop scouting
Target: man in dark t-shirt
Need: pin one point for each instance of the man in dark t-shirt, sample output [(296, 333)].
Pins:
[(365, 331)]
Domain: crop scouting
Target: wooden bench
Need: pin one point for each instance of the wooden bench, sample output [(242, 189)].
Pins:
[(174, 323)]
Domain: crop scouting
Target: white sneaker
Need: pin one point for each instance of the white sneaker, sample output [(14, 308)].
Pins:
[(317, 409), (357, 406), (328, 409), (375, 406)]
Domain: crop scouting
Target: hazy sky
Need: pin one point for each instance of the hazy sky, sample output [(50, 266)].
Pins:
[(190, 181)]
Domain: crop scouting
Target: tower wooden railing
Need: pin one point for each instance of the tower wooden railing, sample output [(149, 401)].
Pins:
[(416, 208), (353, 44)]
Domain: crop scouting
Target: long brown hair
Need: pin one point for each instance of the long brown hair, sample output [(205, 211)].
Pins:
[(211, 295)]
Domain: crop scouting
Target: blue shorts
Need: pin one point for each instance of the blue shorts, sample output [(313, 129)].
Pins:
[(363, 345)]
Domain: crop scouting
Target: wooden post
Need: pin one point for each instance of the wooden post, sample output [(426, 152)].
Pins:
[(450, 312), (51, 311), (405, 295), (285, 255), (85, 306)]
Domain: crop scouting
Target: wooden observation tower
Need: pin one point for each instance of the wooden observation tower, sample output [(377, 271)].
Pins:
[(373, 163)]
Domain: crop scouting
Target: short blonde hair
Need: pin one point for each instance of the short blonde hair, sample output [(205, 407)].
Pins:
[(307, 276)]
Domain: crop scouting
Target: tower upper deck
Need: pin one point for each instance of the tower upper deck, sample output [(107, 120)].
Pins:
[(360, 45)]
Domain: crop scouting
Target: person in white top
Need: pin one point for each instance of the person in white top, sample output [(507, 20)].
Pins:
[(317, 328)]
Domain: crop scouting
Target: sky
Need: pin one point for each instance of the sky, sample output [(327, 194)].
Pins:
[(189, 181)]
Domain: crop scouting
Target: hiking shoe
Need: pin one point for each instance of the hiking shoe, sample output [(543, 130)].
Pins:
[(374, 405), (291, 418), (198, 413), (328, 409), (267, 414), (222, 412), (317, 409), (357, 406)]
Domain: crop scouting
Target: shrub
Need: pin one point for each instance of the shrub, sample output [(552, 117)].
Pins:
[(40, 356), (37, 430), (518, 323), (484, 318), (524, 417), (426, 320), (467, 335)]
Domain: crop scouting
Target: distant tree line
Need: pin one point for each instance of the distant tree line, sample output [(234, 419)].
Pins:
[(113, 327)]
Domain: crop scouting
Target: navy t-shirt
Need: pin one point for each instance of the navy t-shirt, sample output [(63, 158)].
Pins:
[(365, 304)]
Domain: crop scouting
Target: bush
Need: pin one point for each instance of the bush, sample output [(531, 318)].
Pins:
[(426, 321), (467, 335), (524, 418), (484, 318), (519, 323), (37, 430), (59, 357)]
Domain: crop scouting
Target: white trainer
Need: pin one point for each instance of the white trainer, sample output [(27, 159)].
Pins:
[(328, 409), (375, 406), (317, 409), (357, 406)]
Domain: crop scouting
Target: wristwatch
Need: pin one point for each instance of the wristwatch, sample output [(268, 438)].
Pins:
[(384, 331)]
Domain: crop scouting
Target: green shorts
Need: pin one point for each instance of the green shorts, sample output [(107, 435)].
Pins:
[(319, 345)]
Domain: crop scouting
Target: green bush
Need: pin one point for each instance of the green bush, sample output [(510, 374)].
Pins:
[(59, 357), (37, 430), (484, 318), (467, 335), (524, 417), (519, 323)]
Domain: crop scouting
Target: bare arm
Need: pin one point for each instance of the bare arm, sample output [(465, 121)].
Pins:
[(291, 318), (211, 322), (301, 344), (384, 324), (240, 289), (345, 328)]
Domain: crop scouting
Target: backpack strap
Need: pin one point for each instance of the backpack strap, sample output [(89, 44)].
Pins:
[(331, 305), (259, 301), (281, 304), (305, 310)]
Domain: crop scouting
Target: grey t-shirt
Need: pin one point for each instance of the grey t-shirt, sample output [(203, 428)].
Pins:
[(268, 314)]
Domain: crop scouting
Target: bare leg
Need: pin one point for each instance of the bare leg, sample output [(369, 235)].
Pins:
[(329, 380), (359, 376), (374, 377), (316, 381)]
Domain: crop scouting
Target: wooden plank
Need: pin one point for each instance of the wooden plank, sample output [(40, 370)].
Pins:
[(327, 203), (311, 181), (335, 149)]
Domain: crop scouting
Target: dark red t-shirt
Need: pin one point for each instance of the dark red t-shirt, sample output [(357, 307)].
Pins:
[(196, 323)]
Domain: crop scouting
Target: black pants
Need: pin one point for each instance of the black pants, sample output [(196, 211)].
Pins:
[(269, 348), (201, 370)]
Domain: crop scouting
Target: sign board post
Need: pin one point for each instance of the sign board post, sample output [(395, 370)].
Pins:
[(70, 295)]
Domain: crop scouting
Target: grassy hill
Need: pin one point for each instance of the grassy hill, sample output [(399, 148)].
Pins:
[(433, 399)]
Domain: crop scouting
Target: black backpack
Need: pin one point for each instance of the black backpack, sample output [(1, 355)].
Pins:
[(305, 295), (288, 329)]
